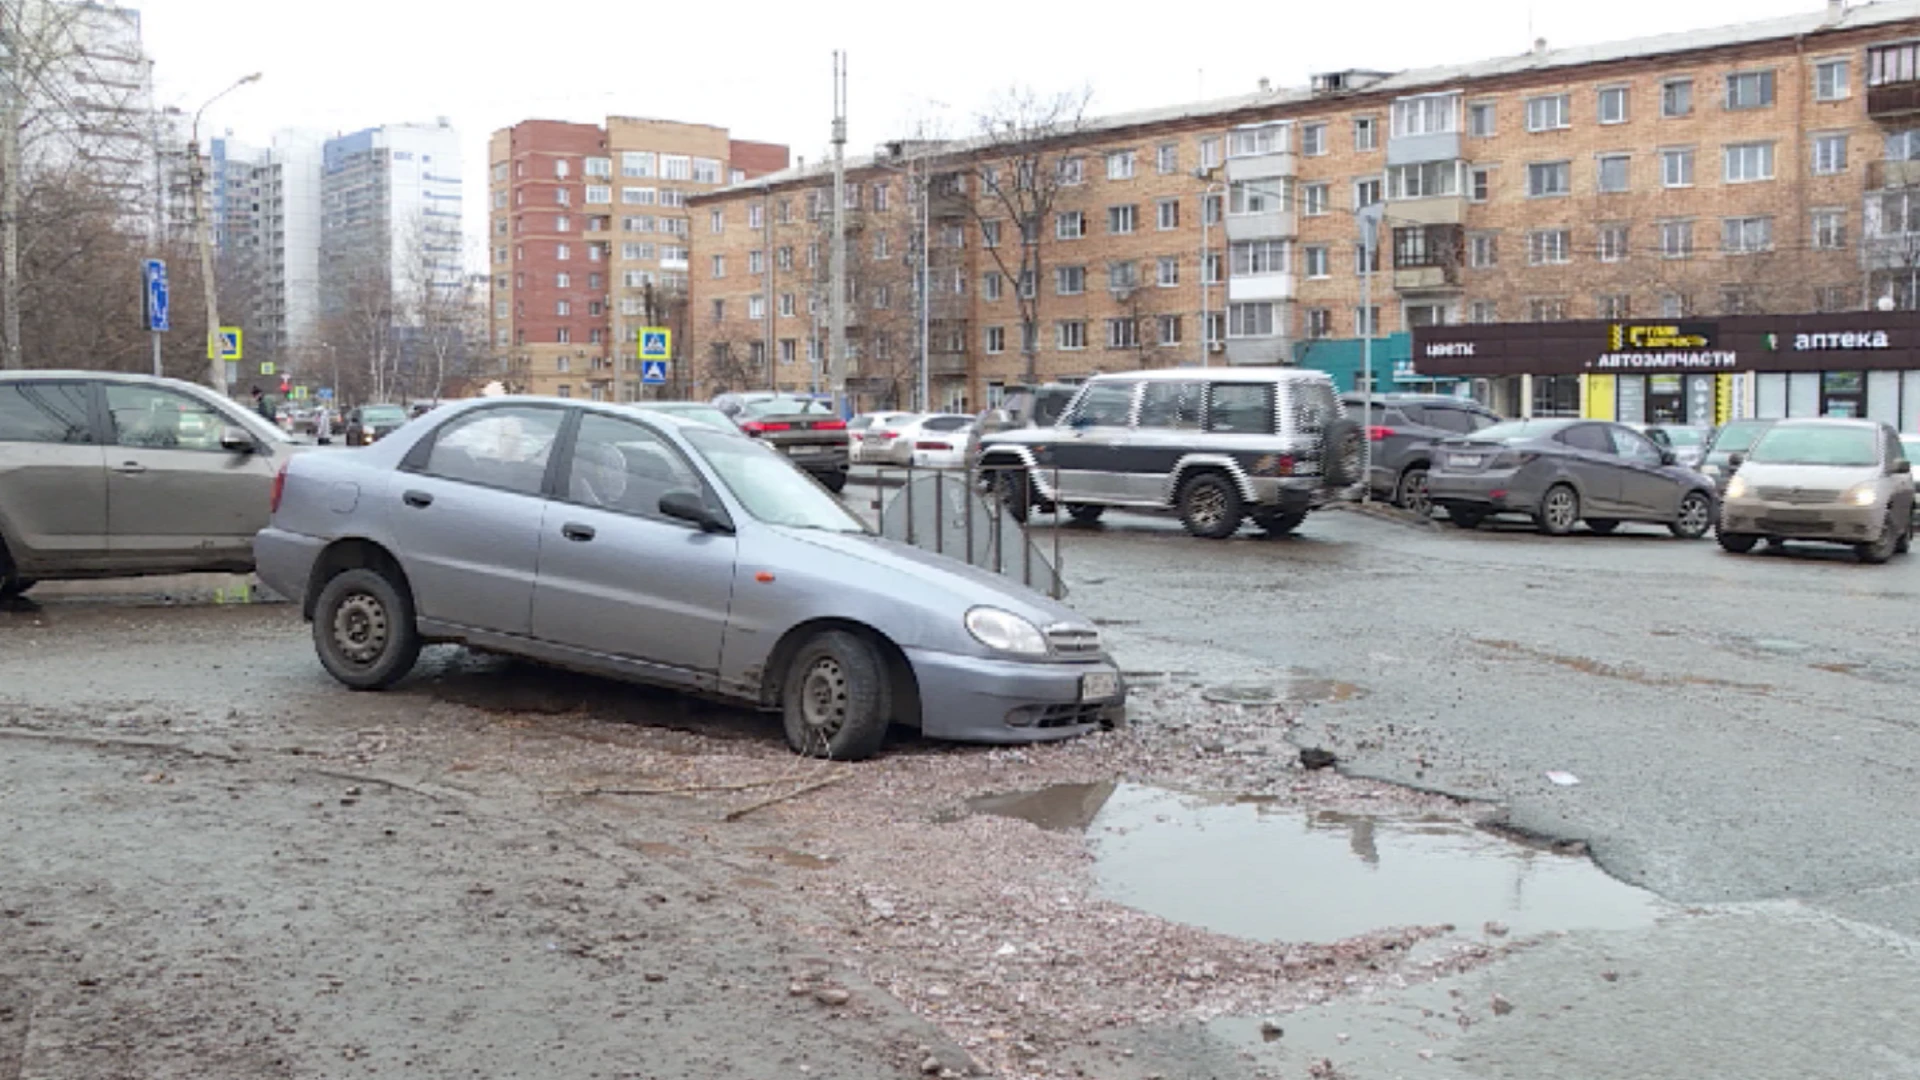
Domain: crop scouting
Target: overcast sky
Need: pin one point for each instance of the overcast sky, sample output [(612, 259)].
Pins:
[(349, 64)]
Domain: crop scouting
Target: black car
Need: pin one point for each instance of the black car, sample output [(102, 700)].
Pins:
[(1402, 430), (370, 423)]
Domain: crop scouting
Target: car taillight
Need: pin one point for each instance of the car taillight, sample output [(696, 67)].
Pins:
[(761, 427), (830, 425), (1377, 433), (1285, 465), (279, 488), (888, 435), (932, 446)]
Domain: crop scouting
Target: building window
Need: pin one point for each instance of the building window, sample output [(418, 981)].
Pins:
[(1368, 192), (563, 336), (881, 195), (1120, 165), (1829, 154), (990, 284), (637, 163), (1120, 219), (1122, 276), (787, 306), (563, 281), (1482, 185), (1254, 258), (1213, 268), (1547, 309), (1549, 178), (1070, 225), (996, 340), (1676, 168), (1830, 80), (1318, 265), (1483, 250), (1613, 105), (1750, 90), (599, 193), (719, 310), (1169, 330), (1167, 213), (561, 169), (1366, 133), (756, 216), (1483, 311), (1166, 158), (882, 297), (1549, 113), (1748, 162), (1214, 329), (1167, 274), (1556, 395), (1611, 306), (1319, 323), (1123, 334), (1676, 98), (562, 197), (789, 350), (1426, 180), (1313, 139), (881, 245), (1829, 229), (562, 252), (1746, 235), (1547, 247), (1211, 207), (1313, 199), (1250, 320), (1833, 298), (1071, 334), (719, 266), (1611, 174), (1072, 171), (1255, 141), (756, 262), (1481, 119), (676, 166), (756, 307), (1676, 239), (1069, 280), (1366, 321), (1365, 262), (783, 257), (1210, 152), (1613, 243), (1427, 114)]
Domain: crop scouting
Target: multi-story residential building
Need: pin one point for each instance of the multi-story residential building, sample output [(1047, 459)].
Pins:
[(1748, 168), (590, 238), (87, 98), (287, 230)]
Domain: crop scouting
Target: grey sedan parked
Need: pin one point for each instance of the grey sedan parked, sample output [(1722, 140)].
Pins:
[(637, 545), (1562, 472)]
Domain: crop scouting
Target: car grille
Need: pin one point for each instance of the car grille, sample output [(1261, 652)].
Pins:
[(1799, 496), (1057, 716), (1802, 526), (1073, 640)]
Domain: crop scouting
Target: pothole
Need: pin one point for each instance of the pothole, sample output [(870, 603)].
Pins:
[(1292, 688), (1256, 869)]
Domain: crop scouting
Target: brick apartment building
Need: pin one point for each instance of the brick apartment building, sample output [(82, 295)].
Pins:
[(589, 233), (1770, 166)]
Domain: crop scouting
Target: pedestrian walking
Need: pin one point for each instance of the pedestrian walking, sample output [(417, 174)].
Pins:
[(264, 407), (323, 426)]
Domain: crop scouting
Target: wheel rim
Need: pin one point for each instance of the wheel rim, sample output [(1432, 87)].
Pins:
[(1208, 507), (1413, 493), (1560, 509), (823, 697), (1694, 515), (360, 629)]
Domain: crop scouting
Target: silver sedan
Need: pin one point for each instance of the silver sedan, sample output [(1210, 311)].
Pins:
[(642, 546)]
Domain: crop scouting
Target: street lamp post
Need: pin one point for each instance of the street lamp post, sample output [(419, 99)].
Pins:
[(217, 365), (1206, 233)]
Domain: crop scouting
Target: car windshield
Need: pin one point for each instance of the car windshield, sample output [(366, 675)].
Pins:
[(382, 414), (1685, 436), (786, 407), (1738, 436), (769, 486), (1818, 444), (1513, 431)]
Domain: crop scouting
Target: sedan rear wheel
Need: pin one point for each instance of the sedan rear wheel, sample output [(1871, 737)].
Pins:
[(364, 631), (1695, 516), (1412, 493), (1559, 510), (837, 702)]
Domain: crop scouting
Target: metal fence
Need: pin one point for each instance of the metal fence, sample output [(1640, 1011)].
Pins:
[(971, 514)]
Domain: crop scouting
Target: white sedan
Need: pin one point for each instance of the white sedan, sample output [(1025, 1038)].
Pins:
[(871, 438), (941, 442)]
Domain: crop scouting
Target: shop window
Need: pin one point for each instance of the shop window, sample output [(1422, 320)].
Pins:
[(1556, 395), (1843, 393)]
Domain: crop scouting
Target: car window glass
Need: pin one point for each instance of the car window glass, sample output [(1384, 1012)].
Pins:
[(1634, 447), (505, 448), (1171, 406), (769, 486), (44, 412), (1105, 404), (160, 419), (1458, 421), (1049, 404), (1589, 437), (946, 423), (1658, 435), (1241, 408), (621, 465), (1816, 444)]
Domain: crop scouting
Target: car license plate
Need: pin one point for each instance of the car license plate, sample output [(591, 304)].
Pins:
[(1464, 459), (1099, 686)]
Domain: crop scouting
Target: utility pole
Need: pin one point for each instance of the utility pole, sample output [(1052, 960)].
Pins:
[(837, 257), (10, 111), (216, 365), (926, 292), (766, 289), (159, 213), (1369, 244)]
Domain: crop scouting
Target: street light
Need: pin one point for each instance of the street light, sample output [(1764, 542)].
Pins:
[(1206, 232), (217, 366)]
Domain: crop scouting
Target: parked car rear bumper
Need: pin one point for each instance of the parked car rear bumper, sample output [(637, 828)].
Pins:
[(971, 699), (284, 561), (1503, 492)]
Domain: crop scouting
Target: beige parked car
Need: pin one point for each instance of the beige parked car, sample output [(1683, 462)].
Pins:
[(1836, 481), (111, 475)]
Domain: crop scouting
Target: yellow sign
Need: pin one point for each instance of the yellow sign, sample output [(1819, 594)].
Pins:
[(225, 345), (299, 393), (1622, 336), (656, 343), (266, 369)]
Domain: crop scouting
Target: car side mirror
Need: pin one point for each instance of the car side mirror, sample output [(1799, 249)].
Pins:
[(1668, 457), (1734, 461), (1902, 467), (688, 506), (236, 440)]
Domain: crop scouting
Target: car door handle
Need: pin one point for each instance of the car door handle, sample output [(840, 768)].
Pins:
[(417, 498), (130, 467), (582, 533)]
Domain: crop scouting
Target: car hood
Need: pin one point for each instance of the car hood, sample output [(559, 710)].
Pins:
[(968, 586), (1834, 477)]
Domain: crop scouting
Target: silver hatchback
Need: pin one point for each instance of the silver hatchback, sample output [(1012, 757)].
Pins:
[(638, 545), (1838, 481)]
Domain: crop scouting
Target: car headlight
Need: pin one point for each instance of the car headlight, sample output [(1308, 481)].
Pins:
[(1737, 488), (1861, 495), (1003, 631), (1710, 469)]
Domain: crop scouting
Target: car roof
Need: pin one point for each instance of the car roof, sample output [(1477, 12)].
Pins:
[(1415, 399), (1219, 374), (100, 376), (1829, 421)]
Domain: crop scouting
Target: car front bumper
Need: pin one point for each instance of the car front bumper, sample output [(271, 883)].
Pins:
[(284, 562), (975, 699), (1834, 522)]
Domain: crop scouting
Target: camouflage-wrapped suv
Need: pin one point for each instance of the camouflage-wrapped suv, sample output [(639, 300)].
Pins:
[(1218, 446)]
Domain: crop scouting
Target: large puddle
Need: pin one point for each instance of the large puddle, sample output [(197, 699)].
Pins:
[(1255, 869)]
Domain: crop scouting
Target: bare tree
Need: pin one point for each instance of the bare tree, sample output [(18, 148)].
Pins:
[(436, 300), (359, 321)]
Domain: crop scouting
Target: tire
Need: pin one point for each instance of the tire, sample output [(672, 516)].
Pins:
[(1343, 455), (837, 702), (1279, 523), (836, 481), (1210, 506), (1466, 519), (1737, 543), (11, 583), (1906, 541), (1602, 526), (1881, 550), (364, 631), (1411, 493), (1016, 493), (1695, 517), (1085, 513), (1559, 510)]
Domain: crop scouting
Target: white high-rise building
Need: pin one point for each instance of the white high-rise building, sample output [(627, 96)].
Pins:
[(391, 209), (287, 231), (87, 106)]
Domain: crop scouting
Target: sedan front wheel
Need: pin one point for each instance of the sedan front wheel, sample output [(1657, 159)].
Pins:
[(1695, 516), (837, 702)]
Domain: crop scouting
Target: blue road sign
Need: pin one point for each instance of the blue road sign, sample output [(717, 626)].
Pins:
[(653, 372), (325, 393), (656, 343), (158, 317)]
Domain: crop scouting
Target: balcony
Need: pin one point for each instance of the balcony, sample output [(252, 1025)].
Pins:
[(1263, 166), (1436, 210), (947, 364), (1893, 81), (1884, 175), (1242, 288), (1426, 258), (1260, 351), (1415, 149), (1268, 225)]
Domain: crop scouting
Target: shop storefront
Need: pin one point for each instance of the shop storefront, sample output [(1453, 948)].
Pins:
[(1688, 371), (1393, 367)]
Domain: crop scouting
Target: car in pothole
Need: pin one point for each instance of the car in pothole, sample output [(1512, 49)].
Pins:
[(1216, 446), (642, 546)]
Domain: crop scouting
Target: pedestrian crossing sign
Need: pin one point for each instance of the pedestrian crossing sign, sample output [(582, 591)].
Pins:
[(653, 372), (656, 343), (225, 345)]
